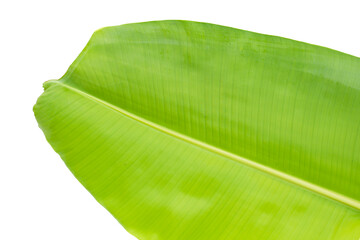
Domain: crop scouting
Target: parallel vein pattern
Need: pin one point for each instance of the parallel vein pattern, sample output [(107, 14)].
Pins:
[(316, 189), (275, 105)]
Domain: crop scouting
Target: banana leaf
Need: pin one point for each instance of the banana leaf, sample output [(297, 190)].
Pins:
[(187, 130)]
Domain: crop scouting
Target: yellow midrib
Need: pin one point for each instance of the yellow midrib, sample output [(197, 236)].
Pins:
[(289, 178)]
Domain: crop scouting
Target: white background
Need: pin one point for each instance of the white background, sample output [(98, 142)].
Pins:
[(39, 197)]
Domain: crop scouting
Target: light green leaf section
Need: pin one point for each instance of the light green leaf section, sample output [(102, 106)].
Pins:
[(186, 130)]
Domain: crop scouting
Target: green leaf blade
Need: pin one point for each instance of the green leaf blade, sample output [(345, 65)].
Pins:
[(199, 81)]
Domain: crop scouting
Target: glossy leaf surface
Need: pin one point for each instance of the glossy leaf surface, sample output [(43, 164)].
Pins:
[(186, 130)]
